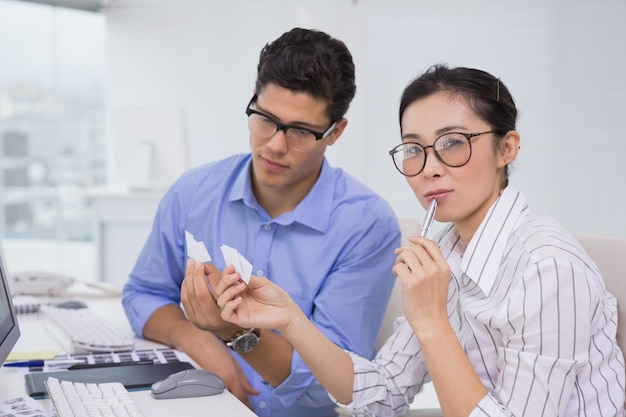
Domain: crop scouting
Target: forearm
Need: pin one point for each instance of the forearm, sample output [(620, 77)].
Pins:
[(450, 368), (168, 325), (330, 364), (271, 358)]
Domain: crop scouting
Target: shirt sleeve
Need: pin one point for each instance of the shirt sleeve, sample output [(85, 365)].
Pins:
[(387, 385), (350, 305), (159, 271)]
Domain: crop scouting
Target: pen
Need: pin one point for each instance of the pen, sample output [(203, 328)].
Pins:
[(25, 364), (61, 363), (430, 215)]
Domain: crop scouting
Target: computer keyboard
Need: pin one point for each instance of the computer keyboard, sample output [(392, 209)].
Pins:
[(88, 331), (77, 399)]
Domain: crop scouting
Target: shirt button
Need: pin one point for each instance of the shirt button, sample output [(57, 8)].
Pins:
[(267, 226), (262, 404), (259, 273)]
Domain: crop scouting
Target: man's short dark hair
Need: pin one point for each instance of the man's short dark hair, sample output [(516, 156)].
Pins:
[(312, 62)]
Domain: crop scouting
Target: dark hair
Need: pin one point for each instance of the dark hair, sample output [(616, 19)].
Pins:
[(485, 94), (312, 62)]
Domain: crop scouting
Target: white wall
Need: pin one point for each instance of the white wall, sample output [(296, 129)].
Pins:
[(564, 61)]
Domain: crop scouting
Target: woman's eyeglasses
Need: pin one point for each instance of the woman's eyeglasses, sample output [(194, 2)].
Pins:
[(453, 149)]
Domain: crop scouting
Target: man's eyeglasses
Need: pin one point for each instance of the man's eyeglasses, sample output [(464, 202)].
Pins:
[(299, 138), (453, 149)]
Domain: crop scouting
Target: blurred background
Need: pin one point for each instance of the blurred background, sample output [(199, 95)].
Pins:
[(104, 103)]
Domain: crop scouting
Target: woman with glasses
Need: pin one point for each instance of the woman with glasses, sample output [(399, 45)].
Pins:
[(504, 312)]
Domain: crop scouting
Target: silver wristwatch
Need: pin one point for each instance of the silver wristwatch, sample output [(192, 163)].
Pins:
[(244, 341)]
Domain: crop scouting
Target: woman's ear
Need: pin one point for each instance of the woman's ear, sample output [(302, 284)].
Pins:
[(509, 147)]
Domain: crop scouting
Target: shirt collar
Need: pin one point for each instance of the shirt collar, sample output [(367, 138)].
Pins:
[(482, 258), (314, 209), (242, 186)]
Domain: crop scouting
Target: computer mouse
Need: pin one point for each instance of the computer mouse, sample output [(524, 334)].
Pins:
[(188, 383), (71, 304)]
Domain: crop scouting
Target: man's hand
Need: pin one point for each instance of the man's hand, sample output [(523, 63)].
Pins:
[(220, 361), (198, 302), (168, 325)]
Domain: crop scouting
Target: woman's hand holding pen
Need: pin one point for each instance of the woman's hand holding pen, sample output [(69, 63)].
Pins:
[(260, 304), (425, 277)]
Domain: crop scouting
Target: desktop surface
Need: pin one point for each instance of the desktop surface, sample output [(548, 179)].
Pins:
[(35, 337)]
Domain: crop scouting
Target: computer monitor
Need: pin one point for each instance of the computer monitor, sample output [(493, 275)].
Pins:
[(9, 329)]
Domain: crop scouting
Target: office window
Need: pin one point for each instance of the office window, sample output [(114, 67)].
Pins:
[(52, 136)]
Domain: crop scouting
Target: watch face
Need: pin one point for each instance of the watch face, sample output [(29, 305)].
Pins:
[(245, 343)]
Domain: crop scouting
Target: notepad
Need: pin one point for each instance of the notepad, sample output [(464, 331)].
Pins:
[(32, 355), (133, 377)]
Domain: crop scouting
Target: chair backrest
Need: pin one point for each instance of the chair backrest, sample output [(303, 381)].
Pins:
[(408, 227), (609, 254)]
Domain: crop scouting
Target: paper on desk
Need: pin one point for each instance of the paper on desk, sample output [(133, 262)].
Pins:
[(196, 250), (34, 355), (21, 406), (241, 264)]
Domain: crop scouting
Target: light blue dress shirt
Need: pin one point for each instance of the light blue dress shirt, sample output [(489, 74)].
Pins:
[(333, 254)]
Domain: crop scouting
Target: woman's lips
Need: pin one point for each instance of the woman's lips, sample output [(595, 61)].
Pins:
[(437, 194)]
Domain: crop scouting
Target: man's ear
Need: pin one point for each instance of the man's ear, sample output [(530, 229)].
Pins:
[(337, 131), (509, 147)]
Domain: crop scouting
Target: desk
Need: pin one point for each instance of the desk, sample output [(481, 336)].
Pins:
[(35, 337)]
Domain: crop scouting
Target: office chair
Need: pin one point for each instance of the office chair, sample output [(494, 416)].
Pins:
[(408, 227), (609, 255)]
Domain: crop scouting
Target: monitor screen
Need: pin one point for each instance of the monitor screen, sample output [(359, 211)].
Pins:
[(9, 330)]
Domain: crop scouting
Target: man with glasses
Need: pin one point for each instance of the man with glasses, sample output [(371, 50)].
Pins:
[(311, 228)]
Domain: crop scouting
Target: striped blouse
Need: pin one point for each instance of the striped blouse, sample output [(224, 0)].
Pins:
[(532, 313)]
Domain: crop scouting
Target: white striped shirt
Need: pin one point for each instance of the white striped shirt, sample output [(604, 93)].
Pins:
[(532, 313)]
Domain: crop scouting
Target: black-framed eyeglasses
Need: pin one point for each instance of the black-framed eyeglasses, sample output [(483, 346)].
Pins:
[(264, 126), (453, 149)]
